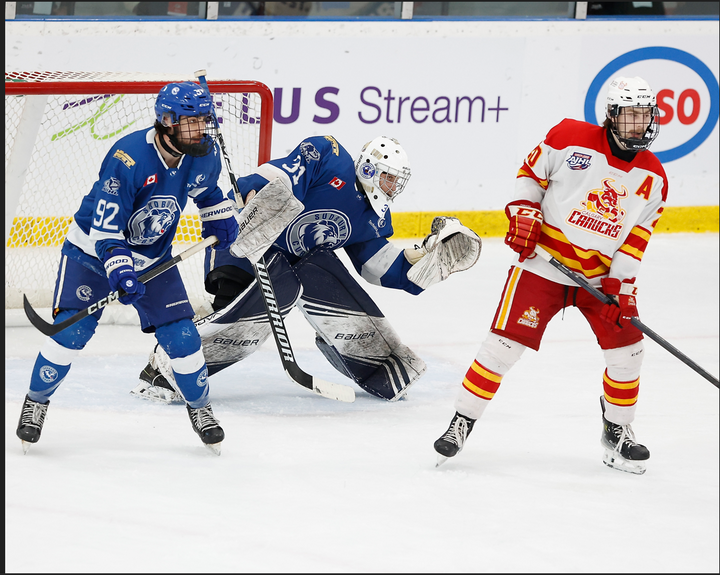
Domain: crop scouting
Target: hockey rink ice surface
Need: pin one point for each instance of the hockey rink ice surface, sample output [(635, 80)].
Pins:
[(307, 484)]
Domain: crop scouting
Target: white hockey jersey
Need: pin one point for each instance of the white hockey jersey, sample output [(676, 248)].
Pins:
[(599, 210)]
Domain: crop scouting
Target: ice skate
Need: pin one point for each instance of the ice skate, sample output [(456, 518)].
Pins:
[(155, 387), (31, 422), (207, 427), (452, 441), (621, 450)]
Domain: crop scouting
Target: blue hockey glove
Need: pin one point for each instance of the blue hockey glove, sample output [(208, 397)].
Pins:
[(121, 274), (219, 220)]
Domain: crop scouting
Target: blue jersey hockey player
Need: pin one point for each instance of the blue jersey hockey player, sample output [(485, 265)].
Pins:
[(344, 204), (126, 224)]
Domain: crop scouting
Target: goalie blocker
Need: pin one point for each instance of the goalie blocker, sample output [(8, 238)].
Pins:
[(351, 331)]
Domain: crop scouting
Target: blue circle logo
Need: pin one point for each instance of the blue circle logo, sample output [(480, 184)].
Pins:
[(662, 53)]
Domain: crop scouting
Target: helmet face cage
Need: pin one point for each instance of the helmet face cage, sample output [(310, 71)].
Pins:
[(189, 100), (633, 113), (634, 119), (384, 171)]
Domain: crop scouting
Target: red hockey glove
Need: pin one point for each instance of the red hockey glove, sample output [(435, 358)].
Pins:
[(525, 222), (620, 313)]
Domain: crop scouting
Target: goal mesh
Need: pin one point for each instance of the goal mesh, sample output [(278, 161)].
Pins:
[(58, 128)]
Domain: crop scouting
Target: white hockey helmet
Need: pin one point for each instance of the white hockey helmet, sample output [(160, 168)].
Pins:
[(633, 93), (383, 170)]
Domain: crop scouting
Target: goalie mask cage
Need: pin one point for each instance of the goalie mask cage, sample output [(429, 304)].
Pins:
[(58, 128)]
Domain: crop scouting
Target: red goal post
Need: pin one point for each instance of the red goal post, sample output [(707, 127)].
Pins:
[(58, 128)]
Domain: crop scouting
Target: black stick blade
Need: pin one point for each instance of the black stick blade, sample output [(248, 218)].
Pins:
[(37, 321)]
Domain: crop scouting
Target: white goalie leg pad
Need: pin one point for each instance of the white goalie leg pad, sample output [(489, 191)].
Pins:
[(352, 332), (264, 218), (450, 247), (241, 327)]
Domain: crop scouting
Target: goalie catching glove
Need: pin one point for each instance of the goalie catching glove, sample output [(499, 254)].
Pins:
[(449, 247)]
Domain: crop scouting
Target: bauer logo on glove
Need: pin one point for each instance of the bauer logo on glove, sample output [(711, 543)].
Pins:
[(450, 247)]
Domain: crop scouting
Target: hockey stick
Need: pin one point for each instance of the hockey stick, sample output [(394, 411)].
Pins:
[(52, 329), (324, 388), (582, 282)]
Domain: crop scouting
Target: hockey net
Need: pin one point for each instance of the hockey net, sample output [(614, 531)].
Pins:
[(58, 128)]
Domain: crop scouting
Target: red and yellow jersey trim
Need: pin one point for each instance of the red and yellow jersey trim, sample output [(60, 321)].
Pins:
[(590, 263)]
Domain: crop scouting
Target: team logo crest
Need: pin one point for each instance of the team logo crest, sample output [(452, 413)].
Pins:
[(329, 228), (202, 378), (530, 317), (48, 373), (367, 170), (83, 293), (578, 161), (150, 222), (310, 152), (601, 211), (111, 186)]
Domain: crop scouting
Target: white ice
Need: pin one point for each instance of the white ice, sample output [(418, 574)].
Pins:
[(306, 484)]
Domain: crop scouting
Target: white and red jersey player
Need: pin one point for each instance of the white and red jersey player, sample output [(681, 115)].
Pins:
[(599, 210), (591, 196)]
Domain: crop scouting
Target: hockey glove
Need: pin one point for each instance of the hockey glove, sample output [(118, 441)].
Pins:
[(524, 232), (120, 270), (619, 314), (219, 220), (449, 247)]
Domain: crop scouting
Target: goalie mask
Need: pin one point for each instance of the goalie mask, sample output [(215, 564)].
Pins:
[(188, 109), (383, 170), (633, 113)]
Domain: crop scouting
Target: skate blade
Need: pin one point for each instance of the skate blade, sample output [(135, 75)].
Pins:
[(158, 395), (25, 446), (213, 448), (440, 460), (614, 461)]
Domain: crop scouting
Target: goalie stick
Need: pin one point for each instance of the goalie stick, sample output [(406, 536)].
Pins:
[(324, 388), (52, 329), (582, 282)]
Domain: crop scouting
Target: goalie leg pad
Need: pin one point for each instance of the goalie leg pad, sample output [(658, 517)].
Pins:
[(352, 332), (240, 328)]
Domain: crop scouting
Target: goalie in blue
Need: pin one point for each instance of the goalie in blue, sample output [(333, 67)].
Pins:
[(125, 225), (317, 200)]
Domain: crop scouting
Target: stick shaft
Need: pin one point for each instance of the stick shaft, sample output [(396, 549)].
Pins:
[(582, 282), (52, 329)]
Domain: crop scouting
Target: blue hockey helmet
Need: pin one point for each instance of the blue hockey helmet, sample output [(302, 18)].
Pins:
[(192, 100)]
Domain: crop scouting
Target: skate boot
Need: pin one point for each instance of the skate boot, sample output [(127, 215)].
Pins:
[(207, 427), (451, 443), (154, 385), (621, 450), (31, 422)]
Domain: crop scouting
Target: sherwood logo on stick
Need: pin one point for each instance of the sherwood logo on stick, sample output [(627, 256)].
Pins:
[(274, 312)]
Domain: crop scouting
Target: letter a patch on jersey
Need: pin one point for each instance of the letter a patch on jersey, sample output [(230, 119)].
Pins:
[(336, 183)]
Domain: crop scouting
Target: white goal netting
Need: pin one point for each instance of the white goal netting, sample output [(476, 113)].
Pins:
[(58, 128)]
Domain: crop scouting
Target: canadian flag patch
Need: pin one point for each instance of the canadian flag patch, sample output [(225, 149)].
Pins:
[(151, 180), (337, 183)]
